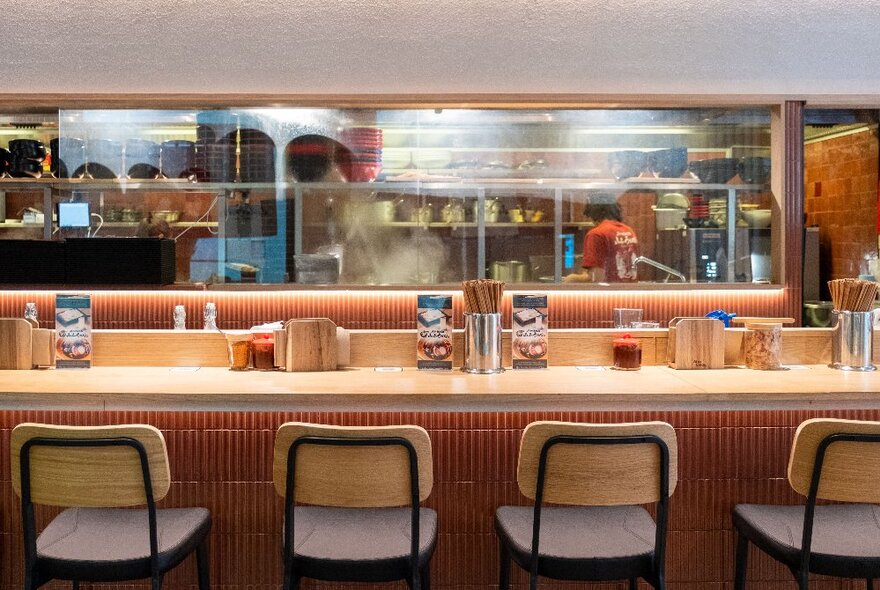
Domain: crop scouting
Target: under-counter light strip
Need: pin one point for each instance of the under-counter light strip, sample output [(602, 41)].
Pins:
[(371, 310)]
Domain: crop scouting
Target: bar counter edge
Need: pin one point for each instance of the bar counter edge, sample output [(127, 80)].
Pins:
[(593, 388)]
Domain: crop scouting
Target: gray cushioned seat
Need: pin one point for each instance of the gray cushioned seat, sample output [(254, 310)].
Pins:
[(581, 543), (846, 537), (106, 544), (359, 544)]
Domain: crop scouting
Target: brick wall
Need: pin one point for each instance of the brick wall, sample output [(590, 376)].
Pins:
[(841, 198)]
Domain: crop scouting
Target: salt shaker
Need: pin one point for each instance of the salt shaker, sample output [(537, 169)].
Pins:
[(210, 316), (179, 317), (30, 311)]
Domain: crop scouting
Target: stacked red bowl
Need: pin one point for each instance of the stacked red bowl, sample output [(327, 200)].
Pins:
[(699, 207), (365, 144)]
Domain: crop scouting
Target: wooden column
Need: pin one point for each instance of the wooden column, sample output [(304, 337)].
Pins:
[(787, 127)]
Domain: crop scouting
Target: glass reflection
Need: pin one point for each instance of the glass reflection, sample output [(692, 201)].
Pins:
[(391, 197)]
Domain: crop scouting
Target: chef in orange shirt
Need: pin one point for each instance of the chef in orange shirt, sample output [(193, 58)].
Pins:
[(610, 248)]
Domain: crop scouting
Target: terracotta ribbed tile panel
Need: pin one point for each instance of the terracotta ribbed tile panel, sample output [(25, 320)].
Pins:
[(381, 310), (706, 554), (222, 460)]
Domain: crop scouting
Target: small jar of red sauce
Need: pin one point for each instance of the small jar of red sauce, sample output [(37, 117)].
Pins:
[(627, 354), (263, 348)]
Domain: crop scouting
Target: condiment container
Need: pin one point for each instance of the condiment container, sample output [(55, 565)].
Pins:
[(264, 351), (627, 354), (179, 317), (239, 351), (852, 341), (762, 346), (30, 313), (210, 316), (482, 343)]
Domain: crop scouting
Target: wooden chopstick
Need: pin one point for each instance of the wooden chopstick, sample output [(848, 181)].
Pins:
[(482, 295), (853, 294)]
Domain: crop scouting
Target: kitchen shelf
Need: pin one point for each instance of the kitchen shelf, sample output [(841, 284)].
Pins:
[(500, 224), (176, 224), (108, 224), (518, 150), (8, 224), (164, 184), (391, 186), (293, 198)]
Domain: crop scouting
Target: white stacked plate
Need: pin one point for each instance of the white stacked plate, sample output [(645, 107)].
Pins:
[(395, 159), (431, 159)]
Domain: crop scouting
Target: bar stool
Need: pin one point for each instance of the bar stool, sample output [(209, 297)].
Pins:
[(363, 487), (830, 460), (95, 473), (603, 472)]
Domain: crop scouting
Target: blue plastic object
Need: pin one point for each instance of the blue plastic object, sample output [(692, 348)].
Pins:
[(720, 314)]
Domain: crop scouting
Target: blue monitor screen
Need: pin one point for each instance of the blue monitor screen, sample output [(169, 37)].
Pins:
[(73, 215), (567, 250)]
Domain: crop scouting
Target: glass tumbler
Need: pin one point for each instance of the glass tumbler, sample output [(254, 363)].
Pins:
[(625, 317)]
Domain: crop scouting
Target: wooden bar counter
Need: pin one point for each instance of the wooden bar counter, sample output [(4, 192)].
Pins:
[(734, 427), (388, 389)]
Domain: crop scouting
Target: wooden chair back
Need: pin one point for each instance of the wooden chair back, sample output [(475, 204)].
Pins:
[(596, 475), (353, 476), (99, 476), (850, 471)]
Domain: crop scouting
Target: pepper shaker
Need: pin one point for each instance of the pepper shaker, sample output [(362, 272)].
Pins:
[(179, 317), (210, 316)]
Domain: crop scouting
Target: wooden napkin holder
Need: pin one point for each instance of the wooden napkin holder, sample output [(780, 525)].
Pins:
[(23, 346), (310, 345), (695, 343)]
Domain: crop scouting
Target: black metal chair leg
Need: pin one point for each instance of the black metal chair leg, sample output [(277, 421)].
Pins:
[(803, 580), (156, 582), (504, 568), (661, 581), (288, 581), (742, 561), (414, 580), (75, 584), (869, 583), (633, 584), (425, 574), (202, 565)]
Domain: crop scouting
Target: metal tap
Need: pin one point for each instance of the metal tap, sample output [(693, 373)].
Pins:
[(669, 271)]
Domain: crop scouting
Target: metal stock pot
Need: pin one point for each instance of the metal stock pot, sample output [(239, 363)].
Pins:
[(509, 271)]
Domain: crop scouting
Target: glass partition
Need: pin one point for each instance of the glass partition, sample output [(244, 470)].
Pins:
[(417, 196), (840, 201)]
